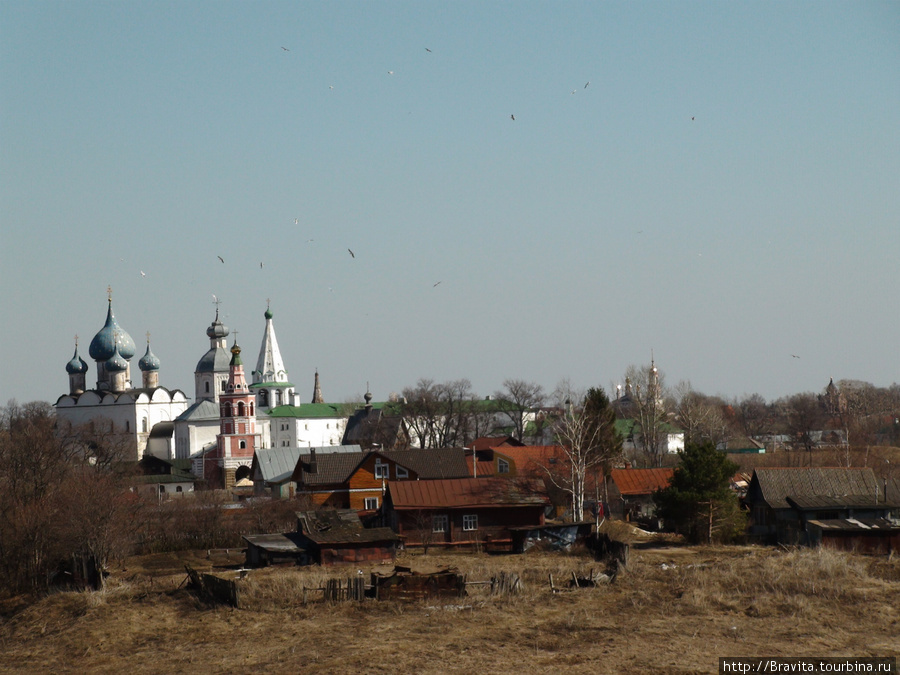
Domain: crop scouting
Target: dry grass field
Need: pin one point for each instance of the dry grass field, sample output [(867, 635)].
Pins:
[(675, 610)]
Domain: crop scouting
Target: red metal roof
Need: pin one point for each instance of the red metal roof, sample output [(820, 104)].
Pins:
[(463, 492), (641, 481)]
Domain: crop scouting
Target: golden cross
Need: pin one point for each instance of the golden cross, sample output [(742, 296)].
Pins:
[(109, 293)]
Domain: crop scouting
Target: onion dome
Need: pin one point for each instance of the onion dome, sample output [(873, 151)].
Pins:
[(116, 363), (268, 313), (236, 355), (77, 364), (217, 329), (148, 360), (111, 340)]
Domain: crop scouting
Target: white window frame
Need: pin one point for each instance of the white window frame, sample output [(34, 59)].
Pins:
[(402, 472), (440, 523), (371, 503), (382, 471), (470, 522), (502, 465)]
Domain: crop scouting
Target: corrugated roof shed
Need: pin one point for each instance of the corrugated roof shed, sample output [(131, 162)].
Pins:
[(275, 465), (464, 492), (776, 484), (641, 481)]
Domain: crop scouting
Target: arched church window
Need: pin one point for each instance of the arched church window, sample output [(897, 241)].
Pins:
[(240, 408), (251, 408), (278, 397), (144, 425), (223, 385), (242, 444), (228, 410), (263, 398), (207, 387)]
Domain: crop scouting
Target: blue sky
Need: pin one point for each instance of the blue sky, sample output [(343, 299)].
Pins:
[(725, 191)]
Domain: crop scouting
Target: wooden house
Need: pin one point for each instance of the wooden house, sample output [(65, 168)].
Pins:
[(358, 480), (469, 512), (631, 493), (784, 502)]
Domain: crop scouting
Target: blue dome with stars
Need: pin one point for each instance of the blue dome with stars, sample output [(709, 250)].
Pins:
[(116, 364), (148, 361), (111, 336), (76, 365)]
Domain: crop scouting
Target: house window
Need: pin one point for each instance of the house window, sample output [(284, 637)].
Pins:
[(371, 503), (242, 444), (162, 488), (502, 466), (178, 488), (402, 472), (439, 523), (470, 523), (382, 470)]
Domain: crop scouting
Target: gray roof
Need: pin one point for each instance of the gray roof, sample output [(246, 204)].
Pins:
[(216, 360), (428, 464), (201, 410), (275, 465), (777, 484), (275, 543), (331, 467)]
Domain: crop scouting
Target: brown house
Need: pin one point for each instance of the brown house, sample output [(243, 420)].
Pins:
[(631, 492), (357, 480), (467, 512)]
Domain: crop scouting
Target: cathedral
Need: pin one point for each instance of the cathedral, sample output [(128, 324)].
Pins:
[(228, 420), (123, 415)]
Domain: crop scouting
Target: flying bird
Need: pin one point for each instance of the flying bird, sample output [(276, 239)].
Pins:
[(512, 117), (692, 119), (309, 240), (573, 91), (795, 356), (331, 86), (221, 259), (435, 286), (352, 254), (586, 85), (260, 265), (390, 72), (286, 49), (142, 274), (427, 50)]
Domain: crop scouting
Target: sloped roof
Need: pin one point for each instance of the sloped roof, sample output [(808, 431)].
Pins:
[(201, 410), (340, 526), (533, 459), (309, 411), (641, 481), (331, 467), (275, 465), (464, 493), (431, 464), (776, 484), (488, 442)]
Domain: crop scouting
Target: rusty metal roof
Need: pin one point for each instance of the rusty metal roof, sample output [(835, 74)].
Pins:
[(641, 481), (464, 492)]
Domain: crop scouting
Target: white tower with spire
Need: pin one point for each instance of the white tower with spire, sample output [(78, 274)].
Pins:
[(270, 378)]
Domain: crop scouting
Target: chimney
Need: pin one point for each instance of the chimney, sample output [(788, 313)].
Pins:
[(313, 464)]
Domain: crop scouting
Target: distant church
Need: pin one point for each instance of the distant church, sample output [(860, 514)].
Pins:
[(123, 415), (228, 420)]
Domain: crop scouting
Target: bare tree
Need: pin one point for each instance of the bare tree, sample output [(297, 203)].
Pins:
[(590, 444), (438, 415), (803, 416), (644, 402), (700, 416), (518, 400), (753, 416)]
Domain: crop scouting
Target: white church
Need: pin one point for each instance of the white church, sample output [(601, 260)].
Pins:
[(154, 420)]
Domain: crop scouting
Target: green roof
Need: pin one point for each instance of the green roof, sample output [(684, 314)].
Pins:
[(626, 427), (308, 410), (258, 385)]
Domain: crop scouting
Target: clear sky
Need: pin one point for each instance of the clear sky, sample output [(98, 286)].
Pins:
[(725, 191)]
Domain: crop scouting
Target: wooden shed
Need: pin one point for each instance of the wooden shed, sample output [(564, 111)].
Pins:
[(336, 536)]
